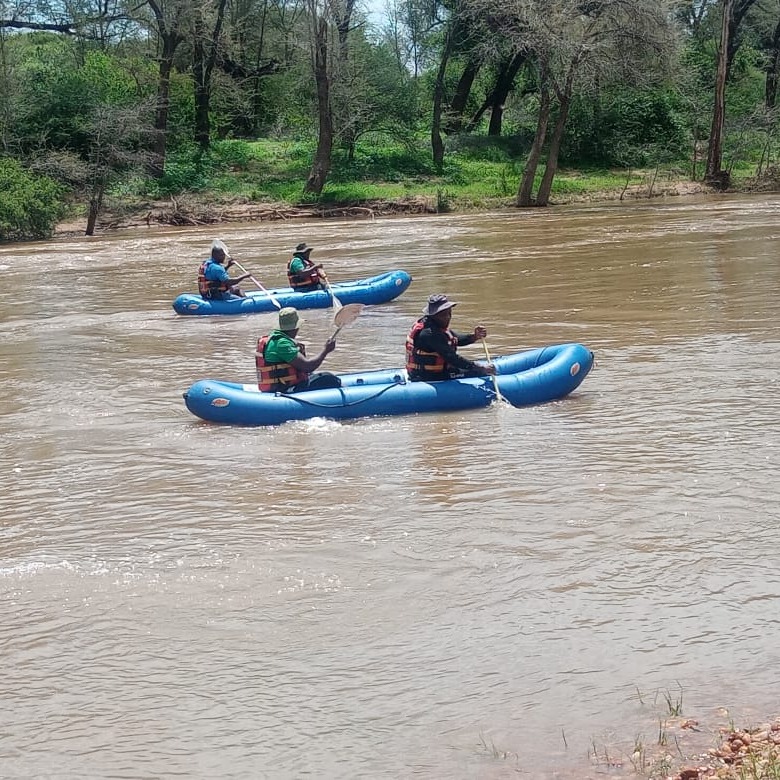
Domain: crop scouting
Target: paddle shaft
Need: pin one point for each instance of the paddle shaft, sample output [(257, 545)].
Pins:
[(336, 302), (499, 397), (267, 292)]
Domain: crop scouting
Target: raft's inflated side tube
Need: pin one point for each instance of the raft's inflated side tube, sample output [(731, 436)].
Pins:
[(525, 378), (376, 289)]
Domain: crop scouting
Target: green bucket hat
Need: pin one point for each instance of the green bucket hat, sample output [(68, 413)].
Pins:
[(288, 318)]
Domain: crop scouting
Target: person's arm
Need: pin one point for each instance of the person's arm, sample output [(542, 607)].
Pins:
[(436, 341), (233, 279), (220, 274), (464, 340), (312, 364)]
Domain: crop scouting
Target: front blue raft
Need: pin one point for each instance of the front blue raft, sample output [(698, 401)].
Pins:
[(525, 378), (376, 289)]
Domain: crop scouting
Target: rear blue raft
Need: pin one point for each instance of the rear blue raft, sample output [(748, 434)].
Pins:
[(376, 289), (525, 378)]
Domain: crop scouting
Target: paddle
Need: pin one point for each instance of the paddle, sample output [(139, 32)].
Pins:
[(337, 305), (220, 244), (346, 315), (267, 292), (499, 397)]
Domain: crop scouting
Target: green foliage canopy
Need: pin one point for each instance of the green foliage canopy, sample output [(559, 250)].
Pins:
[(30, 205)]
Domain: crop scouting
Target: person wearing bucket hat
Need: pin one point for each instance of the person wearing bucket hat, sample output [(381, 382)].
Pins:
[(214, 282), (431, 347), (303, 274), (281, 362)]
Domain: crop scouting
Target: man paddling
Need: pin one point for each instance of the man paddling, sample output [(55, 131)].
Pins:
[(214, 282), (282, 365), (303, 273), (431, 347)]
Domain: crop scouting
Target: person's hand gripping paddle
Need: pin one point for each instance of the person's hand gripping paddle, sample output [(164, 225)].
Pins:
[(499, 397)]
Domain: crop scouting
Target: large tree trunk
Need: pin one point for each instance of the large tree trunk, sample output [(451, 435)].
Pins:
[(454, 120), (496, 98), (202, 69), (322, 157), (525, 190), (551, 168), (202, 125), (156, 166), (773, 70), (437, 144), (504, 84), (170, 38), (738, 12), (713, 173), (95, 205)]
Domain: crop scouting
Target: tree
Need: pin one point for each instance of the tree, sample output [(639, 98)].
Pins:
[(713, 172), (525, 190), (331, 25), (169, 19), (773, 69), (204, 57), (30, 205), (576, 42), (83, 126), (503, 83), (321, 163)]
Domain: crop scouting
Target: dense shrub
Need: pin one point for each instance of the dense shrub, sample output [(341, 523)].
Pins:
[(29, 205), (232, 154), (626, 128), (493, 148), (386, 163), (186, 168)]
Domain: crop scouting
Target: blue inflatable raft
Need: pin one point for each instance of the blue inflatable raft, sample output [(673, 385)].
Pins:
[(532, 377), (376, 289)]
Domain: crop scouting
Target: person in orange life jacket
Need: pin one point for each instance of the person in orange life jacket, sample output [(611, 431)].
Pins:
[(282, 365), (304, 275), (213, 279), (431, 347)]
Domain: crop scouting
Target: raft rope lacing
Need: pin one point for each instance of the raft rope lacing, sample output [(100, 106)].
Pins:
[(306, 402), (294, 397)]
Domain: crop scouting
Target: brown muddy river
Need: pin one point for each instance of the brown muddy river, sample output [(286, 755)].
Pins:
[(490, 593)]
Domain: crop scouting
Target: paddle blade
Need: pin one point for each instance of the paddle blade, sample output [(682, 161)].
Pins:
[(346, 315), (218, 243)]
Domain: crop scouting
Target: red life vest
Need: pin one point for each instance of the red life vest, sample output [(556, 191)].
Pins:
[(421, 360), (275, 377), (208, 286), (308, 276)]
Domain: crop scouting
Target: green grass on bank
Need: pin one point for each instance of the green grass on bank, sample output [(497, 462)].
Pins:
[(275, 172)]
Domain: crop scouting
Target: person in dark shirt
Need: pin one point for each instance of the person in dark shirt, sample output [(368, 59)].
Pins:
[(431, 347)]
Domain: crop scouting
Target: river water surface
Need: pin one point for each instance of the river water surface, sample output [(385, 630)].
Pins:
[(491, 593)]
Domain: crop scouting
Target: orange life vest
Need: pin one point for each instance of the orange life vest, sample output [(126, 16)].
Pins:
[(308, 276), (275, 377), (421, 360), (208, 286)]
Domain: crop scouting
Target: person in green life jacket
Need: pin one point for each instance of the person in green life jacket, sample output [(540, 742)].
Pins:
[(214, 282), (431, 347), (282, 365), (303, 274)]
